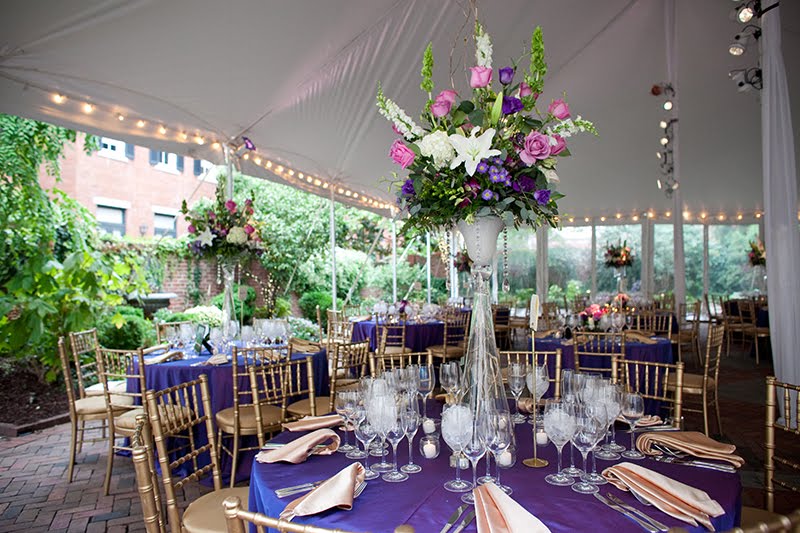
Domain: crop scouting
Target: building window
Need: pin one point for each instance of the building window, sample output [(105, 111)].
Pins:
[(166, 161), (112, 149), (111, 220), (165, 225)]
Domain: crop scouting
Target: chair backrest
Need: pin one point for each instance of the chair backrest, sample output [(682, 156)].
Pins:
[(177, 412), (593, 350), (653, 380), (237, 520), (550, 311), (280, 383), (121, 365), (747, 312), (84, 346), (349, 310), (339, 328), (379, 363), (578, 303), (242, 360), (146, 476), (391, 336), (456, 327), (713, 359), (165, 330), (69, 379), (501, 314), (778, 391), (303, 346), (552, 359), (349, 364)]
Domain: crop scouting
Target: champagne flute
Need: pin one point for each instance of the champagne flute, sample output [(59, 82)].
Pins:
[(559, 423), (394, 434), (498, 441), (427, 382), (343, 404), (611, 401), (516, 382), (366, 434), (410, 420), (359, 413), (376, 419), (632, 412), (475, 449)]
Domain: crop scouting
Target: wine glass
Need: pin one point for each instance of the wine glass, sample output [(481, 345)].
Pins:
[(359, 413), (538, 383), (410, 419), (457, 432), (426, 384), (588, 432), (395, 431), (632, 412), (449, 374), (498, 441), (613, 446), (516, 382), (611, 401), (475, 449), (343, 405), (559, 423), (597, 410), (375, 413), (366, 434)]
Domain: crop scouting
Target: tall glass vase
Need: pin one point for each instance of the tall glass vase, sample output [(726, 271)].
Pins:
[(228, 307), (481, 382), (622, 279)]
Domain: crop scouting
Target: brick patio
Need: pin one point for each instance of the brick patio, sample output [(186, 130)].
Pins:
[(34, 495)]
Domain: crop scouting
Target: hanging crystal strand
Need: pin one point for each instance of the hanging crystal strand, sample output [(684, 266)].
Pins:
[(506, 283), (219, 272), (447, 264)]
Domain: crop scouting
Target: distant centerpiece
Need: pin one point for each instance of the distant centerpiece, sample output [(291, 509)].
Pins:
[(757, 255), (619, 255)]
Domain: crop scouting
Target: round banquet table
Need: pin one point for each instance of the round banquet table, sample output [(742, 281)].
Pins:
[(220, 384), (419, 335), (423, 503)]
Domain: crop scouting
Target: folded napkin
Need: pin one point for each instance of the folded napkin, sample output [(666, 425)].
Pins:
[(645, 421), (639, 337), (545, 333), (300, 448), (673, 497), (360, 318), (497, 512), (335, 492), (691, 442), (314, 422), (214, 360), (174, 355), (444, 397), (156, 348)]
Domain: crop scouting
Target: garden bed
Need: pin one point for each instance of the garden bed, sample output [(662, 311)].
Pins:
[(27, 404)]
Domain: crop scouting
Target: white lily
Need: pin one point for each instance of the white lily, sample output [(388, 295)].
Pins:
[(470, 150), (206, 238), (550, 175)]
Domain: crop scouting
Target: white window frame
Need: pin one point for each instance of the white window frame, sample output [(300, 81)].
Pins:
[(115, 150), (207, 175), (168, 162), (119, 229), (161, 213)]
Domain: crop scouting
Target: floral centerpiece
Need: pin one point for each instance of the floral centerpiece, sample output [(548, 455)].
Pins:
[(619, 255), (757, 255), (490, 152), (592, 314), (620, 301)]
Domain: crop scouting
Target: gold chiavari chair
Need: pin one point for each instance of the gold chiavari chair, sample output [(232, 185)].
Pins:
[(82, 408), (706, 385), (578, 303), (351, 310), (772, 458), (303, 346), (121, 405), (391, 338), (711, 309), (381, 363), (689, 331), (520, 322), (591, 348), (750, 327), (146, 476), (768, 522), (177, 411), (240, 420), (163, 330), (83, 345), (732, 322), (653, 381), (322, 330), (278, 384), (551, 359), (456, 332), (658, 323), (350, 364), (340, 330), (238, 520), (501, 317)]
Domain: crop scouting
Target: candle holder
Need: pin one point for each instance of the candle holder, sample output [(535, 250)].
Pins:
[(430, 446), (535, 461)]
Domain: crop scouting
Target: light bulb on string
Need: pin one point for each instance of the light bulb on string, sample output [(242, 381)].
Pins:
[(59, 98), (664, 141), (663, 124), (668, 105), (88, 108)]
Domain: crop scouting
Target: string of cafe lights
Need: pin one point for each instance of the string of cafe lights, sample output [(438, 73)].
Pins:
[(701, 217), (244, 150)]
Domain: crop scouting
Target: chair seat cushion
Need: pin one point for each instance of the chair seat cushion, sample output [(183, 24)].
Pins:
[(692, 383), (303, 407), (113, 386), (397, 349), (97, 404), (206, 515), (452, 351), (127, 420), (270, 415)]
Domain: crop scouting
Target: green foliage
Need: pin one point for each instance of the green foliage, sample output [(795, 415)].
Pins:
[(134, 332), (308, 305), (281, 309), (243, 310)]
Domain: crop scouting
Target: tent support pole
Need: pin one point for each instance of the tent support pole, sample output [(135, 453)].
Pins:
[(394, 261), (594, 261), (333, 248), (229, 166)]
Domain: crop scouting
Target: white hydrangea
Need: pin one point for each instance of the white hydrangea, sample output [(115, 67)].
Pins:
[(483, 50), (437, 145), (404, 124), (237, 235)]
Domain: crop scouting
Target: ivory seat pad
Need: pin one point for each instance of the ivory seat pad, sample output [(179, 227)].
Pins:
[(692, 383), (127, 420), (452, 350), (270, 415), (92, 405), (303, 407), (113, 386), (397, 349), (205, 514)]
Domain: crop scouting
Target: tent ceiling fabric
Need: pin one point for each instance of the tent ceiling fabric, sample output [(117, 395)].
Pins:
[(299, 78)]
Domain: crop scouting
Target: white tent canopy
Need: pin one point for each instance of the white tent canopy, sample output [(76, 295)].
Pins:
[(299, 79)]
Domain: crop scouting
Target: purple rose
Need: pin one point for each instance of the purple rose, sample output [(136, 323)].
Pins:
[(401, 154), (230, 205), (511, 105), (408, 188), (542, 196), (480, 77), (536, 147), (506, 75), (191, 229), (559, 109), (560, 145), (524, 184)]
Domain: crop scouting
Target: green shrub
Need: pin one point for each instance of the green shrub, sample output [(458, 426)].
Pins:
[(242, 310), (308, 305), (283, 307), (135, 332), (129, 310)]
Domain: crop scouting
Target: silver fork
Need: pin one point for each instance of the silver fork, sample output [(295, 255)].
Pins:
[(359, 489), (296, 489)]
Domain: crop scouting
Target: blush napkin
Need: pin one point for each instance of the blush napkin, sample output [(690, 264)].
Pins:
[(691, 442), (673, 497), (497, 512), (155, 348), (645, 421), (335, 492), (309, 423), (174, 355), (300, 448)]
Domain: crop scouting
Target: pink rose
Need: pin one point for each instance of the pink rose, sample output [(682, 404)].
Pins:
[(249, 229), (401, 154), (230, 205), (560, 145), (536, 147), (559, 109), (212, 215), (524, 90), (190, 229), (480, 77), (443, 102), (448, 95)]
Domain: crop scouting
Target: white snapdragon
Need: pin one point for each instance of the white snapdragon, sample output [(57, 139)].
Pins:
[(404, 124), (437, 145), (483, 50), (567, 128)]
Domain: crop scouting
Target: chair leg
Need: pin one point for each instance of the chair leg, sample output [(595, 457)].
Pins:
[(82, 431), (235, 459), (109, 462), (719, 418), (705, 414), (755, 341), (72, 447)]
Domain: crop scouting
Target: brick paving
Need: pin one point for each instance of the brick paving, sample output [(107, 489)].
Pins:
[(34, 494)]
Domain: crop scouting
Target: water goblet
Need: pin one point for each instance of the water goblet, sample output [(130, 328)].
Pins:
[(632, 412), (559, 423), (538, 383), (457, 432), (613, 446), (611, 401), (366, 434), (358, 415), (588, 431), (394, 434), (597, 410), (410, 419)]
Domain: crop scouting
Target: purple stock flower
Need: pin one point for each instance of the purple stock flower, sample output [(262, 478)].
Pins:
[(511, 105), (542, 196), (408, 188), (524, 184), (483, 166), (487, 195), (506, 75)]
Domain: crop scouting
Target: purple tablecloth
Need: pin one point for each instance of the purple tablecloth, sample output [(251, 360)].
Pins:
[(423, 503), (418, 335)]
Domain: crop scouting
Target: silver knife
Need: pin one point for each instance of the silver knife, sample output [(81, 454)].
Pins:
[(464, 523), (454, 518), (656, 523), (633, 517)]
